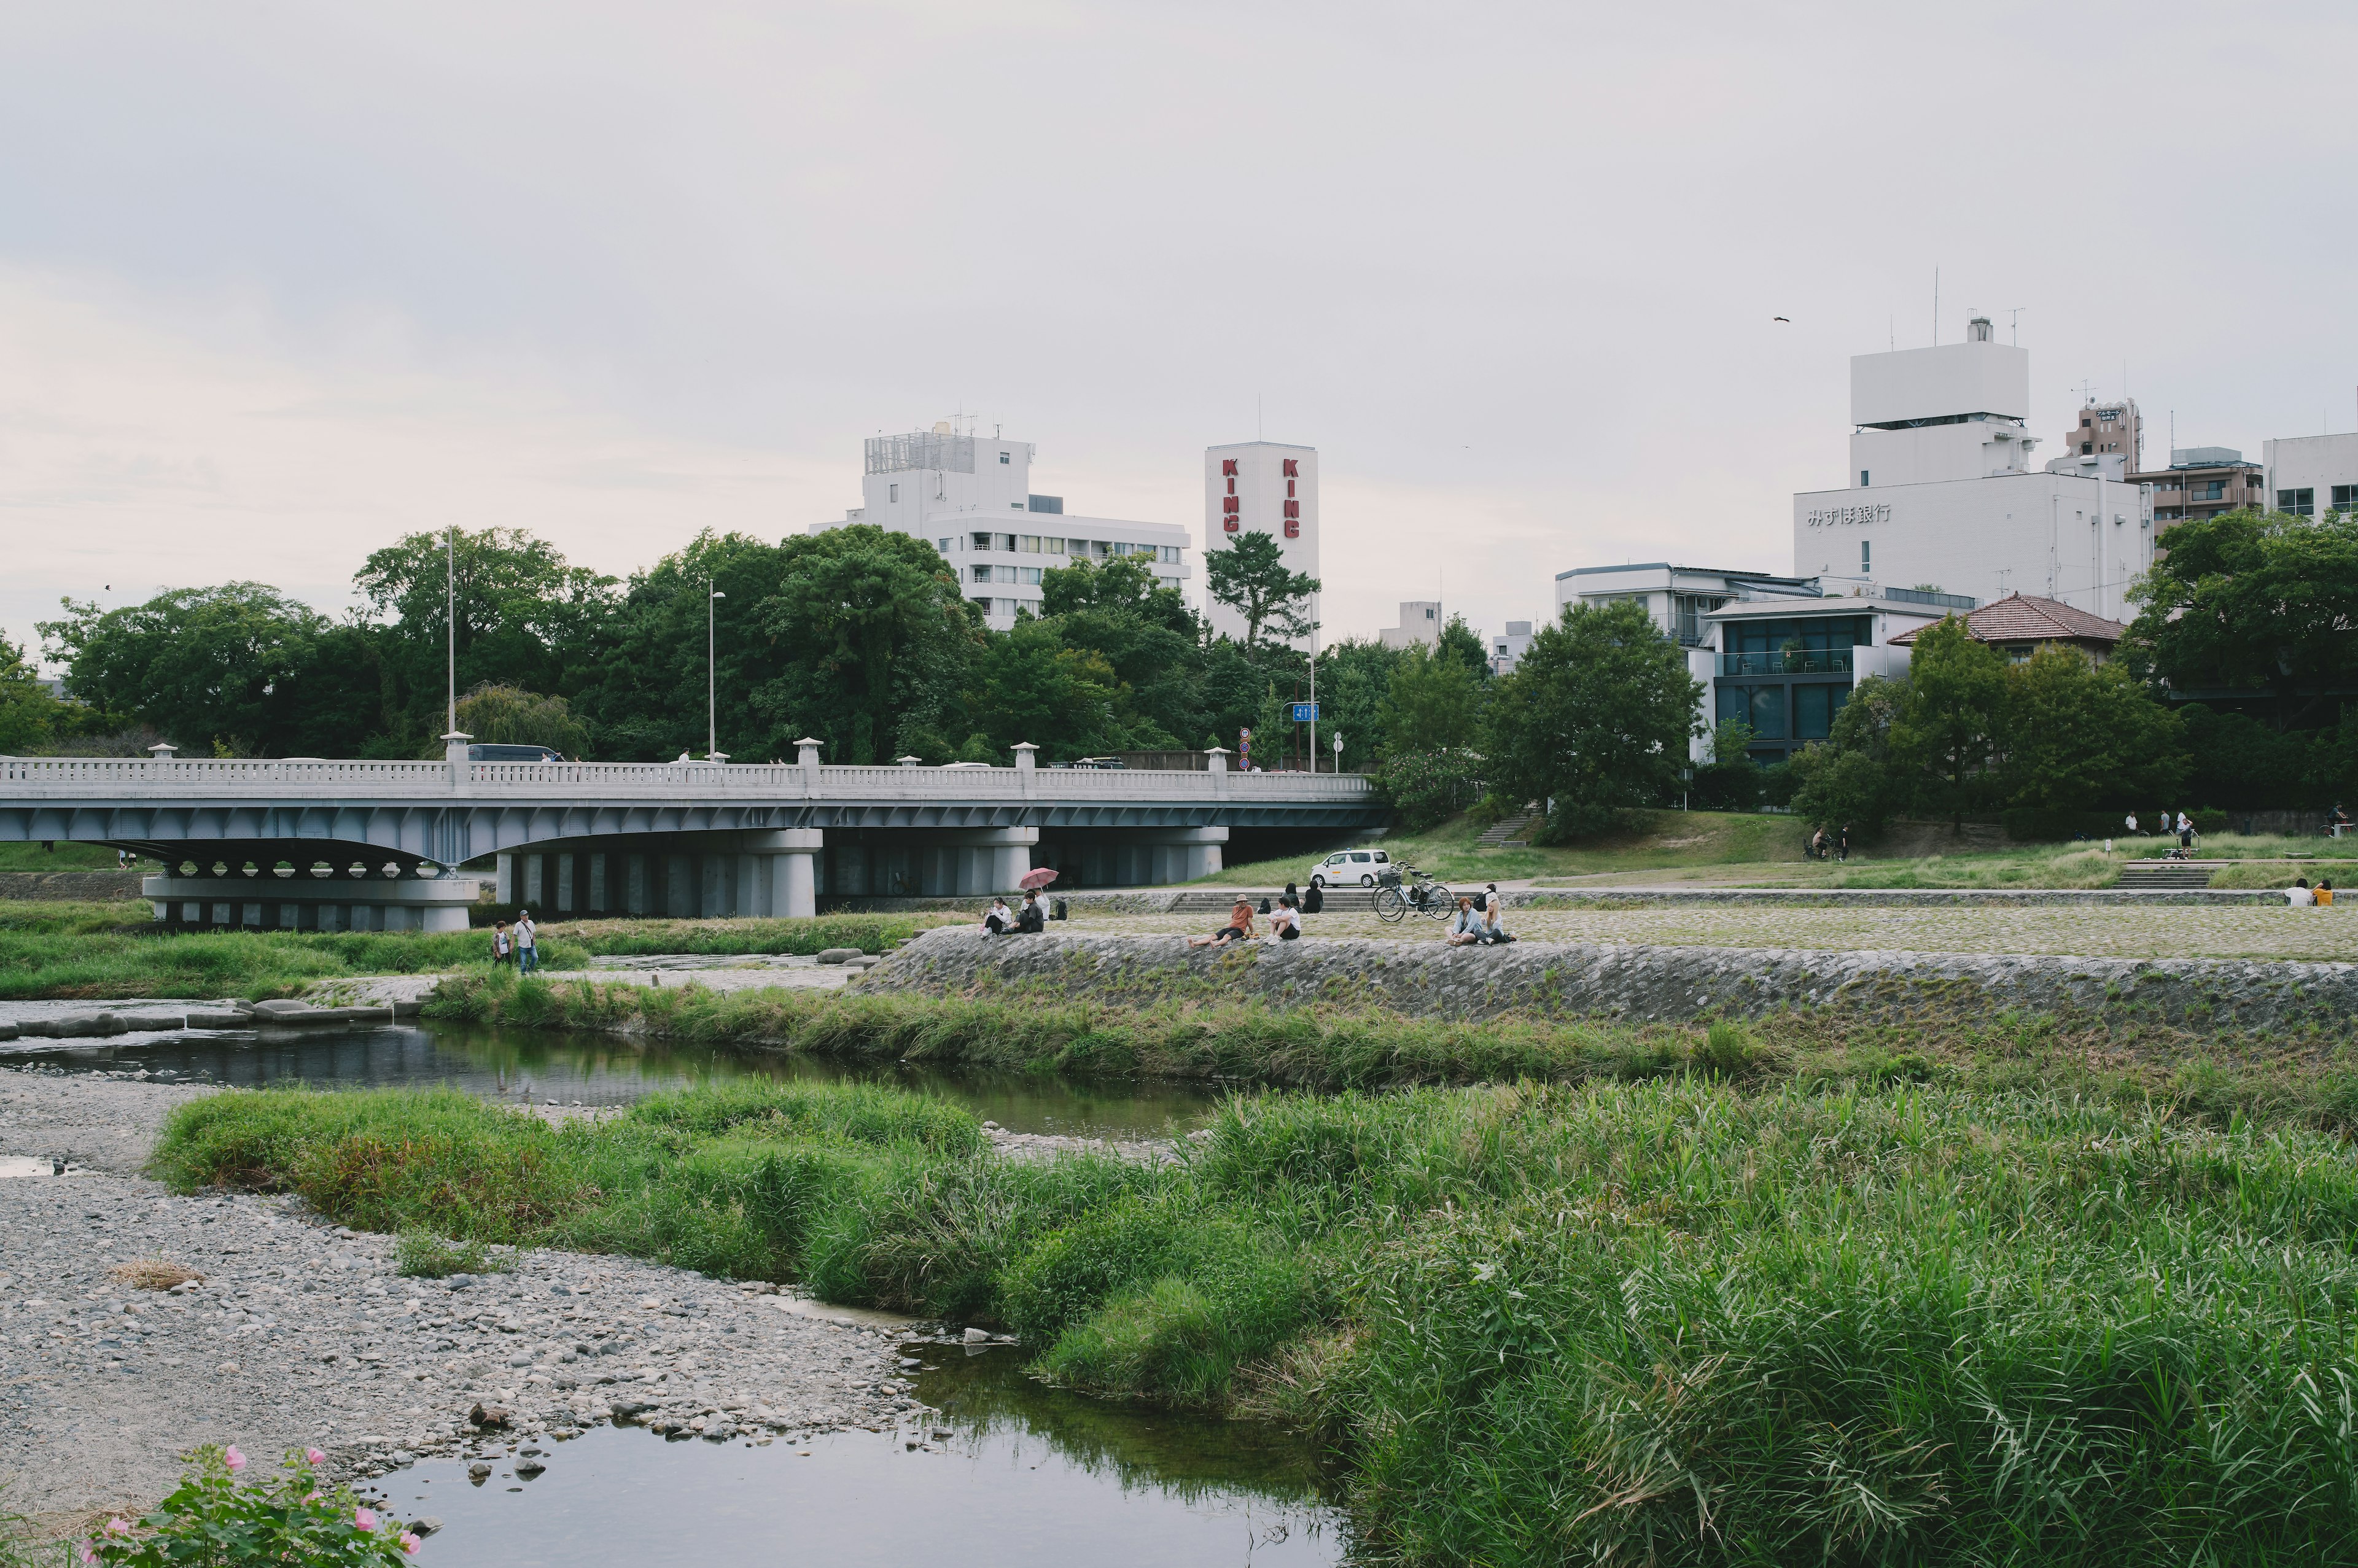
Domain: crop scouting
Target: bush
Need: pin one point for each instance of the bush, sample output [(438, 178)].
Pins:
[(424, 1256), (290, 1518)]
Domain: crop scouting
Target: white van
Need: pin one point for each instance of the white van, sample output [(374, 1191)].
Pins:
[(1346, 866)]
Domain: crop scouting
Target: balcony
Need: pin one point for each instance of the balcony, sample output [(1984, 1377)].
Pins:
[(1788, 662)]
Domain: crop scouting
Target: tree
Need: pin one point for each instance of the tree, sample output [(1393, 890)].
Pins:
[(525, 617), (30, 716), (1145, 635), (872, 637), (1432, 703), (2267, 604), (1428, 788), (1458, 644), (2079, 735), (1946, 735), (1354, 683), (1250, 577), (510, 716), (215, 669), (1027, 685), (1730, 781), (1594, 719), (1846, 779)]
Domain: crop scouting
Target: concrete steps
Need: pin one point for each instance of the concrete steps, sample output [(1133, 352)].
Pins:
[(1510, 831), (1218, 901), (2150, 875)]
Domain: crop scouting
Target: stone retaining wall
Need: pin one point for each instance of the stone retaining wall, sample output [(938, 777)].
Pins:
[(84, 887), (1632, 983)]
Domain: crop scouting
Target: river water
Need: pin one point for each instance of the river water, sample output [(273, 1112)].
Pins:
[(1028, 1475)]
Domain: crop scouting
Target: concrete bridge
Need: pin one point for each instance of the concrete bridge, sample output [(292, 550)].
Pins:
[(357, 845)]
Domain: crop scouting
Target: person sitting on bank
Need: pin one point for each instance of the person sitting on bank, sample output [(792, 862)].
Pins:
[(1239, 928), (2323, 894), (997, 920), (2297, 895), (1033, 918), (1494, 926), (1466, 926), (1285, 924), (1314, 899)]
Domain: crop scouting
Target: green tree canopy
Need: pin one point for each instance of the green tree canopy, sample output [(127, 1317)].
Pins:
[(1354, 681), (2079, 735), (510, 716), (1458, 642), (1434, 702), (872, 637), (1594, 719), (1251, 577), (2262, 603), (30, 718), (1946, 735), (1027, 685)]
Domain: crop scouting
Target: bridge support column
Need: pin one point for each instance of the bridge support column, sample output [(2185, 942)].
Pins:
[(315, 904), (1138, 857), (772, 874)]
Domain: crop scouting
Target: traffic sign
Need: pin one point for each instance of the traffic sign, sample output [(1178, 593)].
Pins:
[(1305, 713)]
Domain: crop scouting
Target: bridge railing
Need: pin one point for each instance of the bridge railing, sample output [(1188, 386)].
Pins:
[(190, 778)]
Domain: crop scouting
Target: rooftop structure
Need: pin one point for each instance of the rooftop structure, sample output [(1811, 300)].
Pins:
[(2020, 624), (2310, 476), (2203, 481), (1261, 487), (1419, 622)]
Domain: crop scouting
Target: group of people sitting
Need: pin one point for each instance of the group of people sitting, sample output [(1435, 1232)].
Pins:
[(1000, 921), (1284, 923), (1485, 927), (2300, 894)]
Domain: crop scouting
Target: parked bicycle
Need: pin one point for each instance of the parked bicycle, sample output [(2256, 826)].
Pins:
[(1401, 889)]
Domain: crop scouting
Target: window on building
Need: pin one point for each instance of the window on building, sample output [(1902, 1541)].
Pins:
[(1051, 546), (1028, 575), (1169, 554), (891, 492), (2087, 449), (1005, 542), (1003, 457), (2213, 490), (1170, 581), (982, 541), (981, 574), (1814, 708), (2345, 496), (945, 544), (1862, 478), (983, 605), (1866, 557), (1027, 544), (2299, 502)]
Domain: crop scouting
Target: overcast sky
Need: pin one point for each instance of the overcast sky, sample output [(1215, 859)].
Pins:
[(279, 282)]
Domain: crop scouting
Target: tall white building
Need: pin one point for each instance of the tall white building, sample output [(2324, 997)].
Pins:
[(1261, 487), (970, 497), (1943, 496)]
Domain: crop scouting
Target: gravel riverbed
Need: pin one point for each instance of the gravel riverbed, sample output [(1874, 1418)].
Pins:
[(301, 1332)]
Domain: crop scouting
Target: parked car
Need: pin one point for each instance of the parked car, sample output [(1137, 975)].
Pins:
[(1101, 763), (513, 755), (1346, 866)]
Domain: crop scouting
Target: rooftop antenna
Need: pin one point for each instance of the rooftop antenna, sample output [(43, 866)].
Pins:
[(2018, 311)]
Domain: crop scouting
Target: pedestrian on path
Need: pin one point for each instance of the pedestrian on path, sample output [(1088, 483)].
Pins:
[(1842, 845), (503, 944), (527, 941)]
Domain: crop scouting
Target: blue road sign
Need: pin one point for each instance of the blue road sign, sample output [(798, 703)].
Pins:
[(1305, 713)]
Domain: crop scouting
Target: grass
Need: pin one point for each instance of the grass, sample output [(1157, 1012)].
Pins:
[(61, 857), (115, 950), (422, 1255), (1708, 1317), (1667, 841)]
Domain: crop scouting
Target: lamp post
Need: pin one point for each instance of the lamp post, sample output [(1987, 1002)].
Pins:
[(712, 688), (450, 615)]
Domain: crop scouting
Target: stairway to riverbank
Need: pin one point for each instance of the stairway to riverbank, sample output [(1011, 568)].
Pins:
[(1512, 832), (2148, 875)]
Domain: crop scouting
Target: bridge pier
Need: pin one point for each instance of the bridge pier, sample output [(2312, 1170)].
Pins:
[(901, 862), (739, 875), (1136, 857), (306, 903)]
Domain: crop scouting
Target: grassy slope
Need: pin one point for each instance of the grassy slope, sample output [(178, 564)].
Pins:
[(74, 950), (1673, 1321), (1755, 849), (65, 856)]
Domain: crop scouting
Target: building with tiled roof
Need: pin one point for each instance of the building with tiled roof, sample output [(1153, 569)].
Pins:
[(2020, 624)]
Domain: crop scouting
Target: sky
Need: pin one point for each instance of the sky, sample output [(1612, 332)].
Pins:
[(281, 282)]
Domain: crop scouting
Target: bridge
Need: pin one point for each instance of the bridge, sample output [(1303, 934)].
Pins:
[(359, 845)]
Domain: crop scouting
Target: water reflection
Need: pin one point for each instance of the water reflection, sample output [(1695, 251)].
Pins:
[(1027, 1476), (599, 1069)]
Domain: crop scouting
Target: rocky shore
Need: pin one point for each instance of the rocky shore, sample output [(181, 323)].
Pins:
[(296, 1331)]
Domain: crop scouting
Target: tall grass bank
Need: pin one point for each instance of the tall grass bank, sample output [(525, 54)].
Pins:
[(1668, 1322), (1635, 983)]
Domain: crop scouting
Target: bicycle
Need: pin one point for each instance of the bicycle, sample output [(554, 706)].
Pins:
[(1402, 888)]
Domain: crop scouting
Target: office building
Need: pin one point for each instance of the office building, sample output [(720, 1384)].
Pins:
[(1261, 487), (1677, 597), (1944, 497), (2311, 476), (1419, 622), (2203, 481), (969, 496)]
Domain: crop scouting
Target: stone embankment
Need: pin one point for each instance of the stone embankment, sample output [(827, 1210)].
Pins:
[(298, 1331), (76, 887), (1631, 983), (157, 1017)]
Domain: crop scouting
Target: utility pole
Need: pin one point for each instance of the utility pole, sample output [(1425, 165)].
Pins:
[(1313, 682), (450, 617), (711, 687)]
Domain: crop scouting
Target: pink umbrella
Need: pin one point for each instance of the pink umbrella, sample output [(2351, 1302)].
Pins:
[(1038, 878)]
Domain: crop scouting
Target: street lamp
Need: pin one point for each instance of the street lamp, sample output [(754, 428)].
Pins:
[(711, 702)]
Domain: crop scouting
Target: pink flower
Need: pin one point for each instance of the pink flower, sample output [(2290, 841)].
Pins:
[(314, 1457), (116, 1527), (409, 1542), (88, 1549), (312, 1496), (364, 1518), (233, 1459)]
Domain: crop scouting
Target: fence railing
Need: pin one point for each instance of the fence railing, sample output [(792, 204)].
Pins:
[(1788, 662), (118, 777)]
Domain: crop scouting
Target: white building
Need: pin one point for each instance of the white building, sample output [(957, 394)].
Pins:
[(1677, 597), (1419, 622), (1944, 497), (2310, 476), (1507, 649), (970, 497), (1261, 487)]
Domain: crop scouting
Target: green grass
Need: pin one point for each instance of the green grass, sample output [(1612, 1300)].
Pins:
[(61, 857), (1683, 1320), (1667, 839), (115, 950)]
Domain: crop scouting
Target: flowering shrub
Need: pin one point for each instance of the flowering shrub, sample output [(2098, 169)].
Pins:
[(287, 1520), (1427, 789)]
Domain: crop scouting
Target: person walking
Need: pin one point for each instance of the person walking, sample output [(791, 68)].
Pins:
[(2130, 822), (1842, 845), (503, 944), (2185, 831), (527, 941)]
